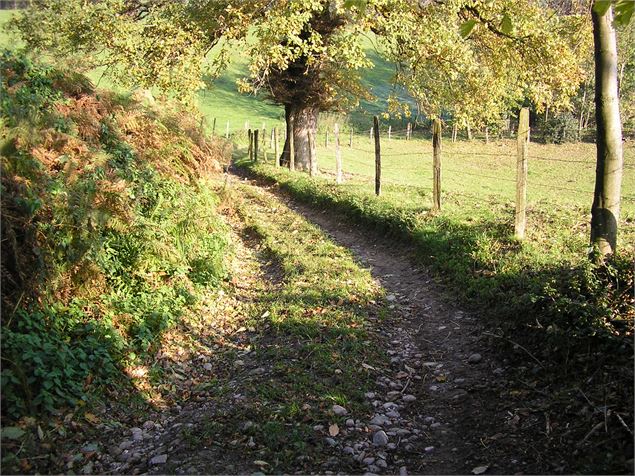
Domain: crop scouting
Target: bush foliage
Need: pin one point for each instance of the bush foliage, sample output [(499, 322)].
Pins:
[(109, 231)]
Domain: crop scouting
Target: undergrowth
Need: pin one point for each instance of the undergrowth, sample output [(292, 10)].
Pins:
[(559, 301), (109, 232), (564, 324)]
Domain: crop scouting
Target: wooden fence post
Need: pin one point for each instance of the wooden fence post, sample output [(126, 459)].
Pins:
[(338, 155), (275, 146), (455, 131), (408, 131), (256, 145), (271, 139), (246, 125), (310, 140), (389, 132), (251, 144), (264, 139), (291, 142), (436, 165), (227, 131), (377, 157), (486, 135), (350, 138), (214, 127), (370, 135), (521, 174)]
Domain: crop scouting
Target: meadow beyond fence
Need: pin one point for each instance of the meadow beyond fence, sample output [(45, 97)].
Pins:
[(478, 178)]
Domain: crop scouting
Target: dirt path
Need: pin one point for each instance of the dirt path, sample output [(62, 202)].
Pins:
[(460, 409), (440, 405)]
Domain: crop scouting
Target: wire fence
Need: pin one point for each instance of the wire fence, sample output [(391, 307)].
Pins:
[(411, 165)]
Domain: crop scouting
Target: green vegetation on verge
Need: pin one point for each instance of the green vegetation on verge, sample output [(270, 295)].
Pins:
[(109, 231), (543, 290)]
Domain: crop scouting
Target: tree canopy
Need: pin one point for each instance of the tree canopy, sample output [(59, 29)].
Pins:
[(473, 59)]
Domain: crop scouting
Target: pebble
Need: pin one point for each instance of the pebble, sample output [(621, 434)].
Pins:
[(318, 427), (370, 395), (408, 398), (149, 425), (380, 420), (125, 445), (403, 471), (159, 459), (339, 410), (381, 463), (392, 414), (390, 298), (330, 441), (373, 469), (369, 460), (246, 425), (208, 367), (350, 422), (434, 426), (459, 380), (428, 420), (348, 450), (474, 358), (380, 438), (429, 449)]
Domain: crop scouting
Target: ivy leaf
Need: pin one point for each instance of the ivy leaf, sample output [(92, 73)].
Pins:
[(466, 28), (12, 433), (624, 11), (506, 24), (601, 6)]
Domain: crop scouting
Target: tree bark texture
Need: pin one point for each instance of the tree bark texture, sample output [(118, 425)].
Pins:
[(605, 211), (305, 121)]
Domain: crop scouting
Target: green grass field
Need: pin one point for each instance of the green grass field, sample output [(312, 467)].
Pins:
[(478, 185)]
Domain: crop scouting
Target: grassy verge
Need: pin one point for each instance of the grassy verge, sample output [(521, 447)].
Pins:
[(109, 229), (564, 324), (539, 288), (311, 327)]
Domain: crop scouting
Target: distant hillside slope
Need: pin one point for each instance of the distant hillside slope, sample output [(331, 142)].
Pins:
[(223, 101)]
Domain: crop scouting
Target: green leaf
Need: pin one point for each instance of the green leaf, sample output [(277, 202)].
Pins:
[(601, 6), (506, 24), (624, 12), (12, 433), (466, 28), (361, 4)]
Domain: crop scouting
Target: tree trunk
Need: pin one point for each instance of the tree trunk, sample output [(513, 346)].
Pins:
[(605, 211), (305, 121)]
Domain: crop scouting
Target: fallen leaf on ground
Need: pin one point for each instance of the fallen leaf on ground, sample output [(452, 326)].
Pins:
[(334, 430), (91, 418), (480, 469)]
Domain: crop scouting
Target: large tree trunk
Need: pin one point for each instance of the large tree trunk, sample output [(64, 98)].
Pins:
[(605, 211), (305, 121)]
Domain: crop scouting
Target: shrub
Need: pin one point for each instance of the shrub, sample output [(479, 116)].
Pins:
[(110, 234)]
